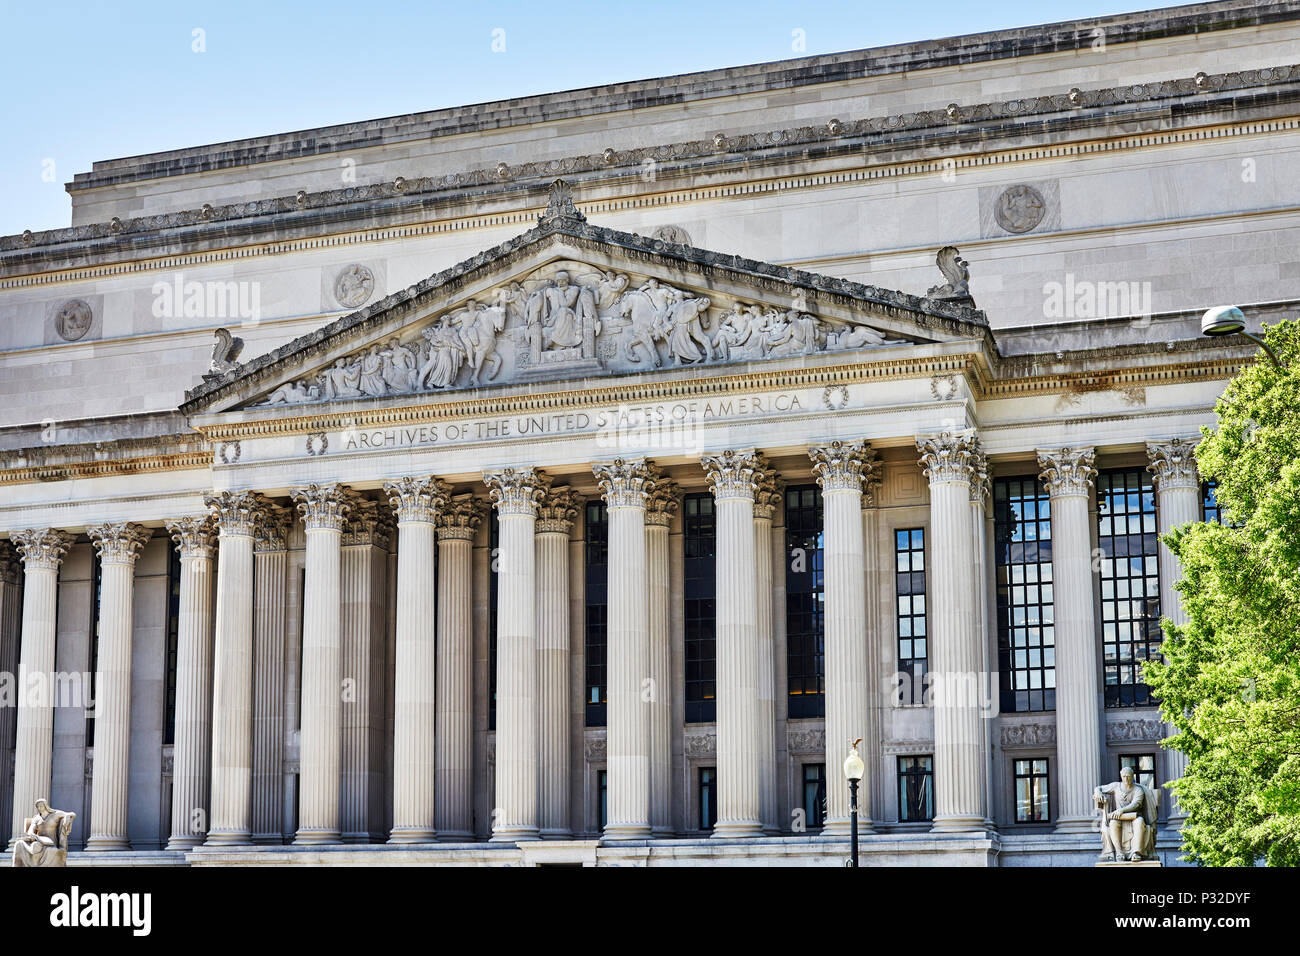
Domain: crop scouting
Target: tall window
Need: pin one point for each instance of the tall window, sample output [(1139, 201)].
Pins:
[(708, 791), (96, 586), (698, 537), (915, 788), (1031, 791), (1130, 583), (1210, 510), (1143, 767), (1026, 638), (596, 538), (909, 605), (173, 633), (494, 545), (805, 607), (814, 794)]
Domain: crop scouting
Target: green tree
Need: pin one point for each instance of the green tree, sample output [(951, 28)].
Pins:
[(1230, 678)]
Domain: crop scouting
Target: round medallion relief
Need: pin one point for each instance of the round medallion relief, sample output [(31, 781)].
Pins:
[(73, 320), (1020, 208), (354, 286)]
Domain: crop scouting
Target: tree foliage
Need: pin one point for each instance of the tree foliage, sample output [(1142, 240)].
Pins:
[(1230, 679)]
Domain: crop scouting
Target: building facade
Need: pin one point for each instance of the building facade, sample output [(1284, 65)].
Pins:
[(575, 479)]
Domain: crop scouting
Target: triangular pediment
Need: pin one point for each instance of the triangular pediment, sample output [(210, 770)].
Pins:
[(572, 301)]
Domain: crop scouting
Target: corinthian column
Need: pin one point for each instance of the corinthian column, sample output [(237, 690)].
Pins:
[(839, 467), (1067, 475), (11, 595), (270, 567), (555, 517), (766, 498), (417, 503), (236, 513), (119, 544), (733, 479), (325, 509), (954, 636), (660, 508), (1178, 502), (625, 485), (454, 778), (42, 552), (195, 539), (516, 493)]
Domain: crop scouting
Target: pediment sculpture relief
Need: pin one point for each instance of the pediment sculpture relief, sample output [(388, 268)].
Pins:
[(568, 320)]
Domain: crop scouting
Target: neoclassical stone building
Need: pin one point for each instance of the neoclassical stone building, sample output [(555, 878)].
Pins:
[(574, 479)]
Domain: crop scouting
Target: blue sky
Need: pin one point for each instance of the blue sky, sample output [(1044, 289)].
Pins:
[(94, 81)]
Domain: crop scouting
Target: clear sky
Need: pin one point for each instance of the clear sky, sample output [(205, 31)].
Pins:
[(99, 80)]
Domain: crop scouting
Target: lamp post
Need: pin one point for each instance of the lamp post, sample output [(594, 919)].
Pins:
[(1229, 320), (853, 770)]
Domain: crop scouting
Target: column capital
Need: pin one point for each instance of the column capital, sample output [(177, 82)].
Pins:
[(871, 485), (947, 455), (626, 482), (119, 542), (368, 524), (768, 494), (1173, 463), (460, 518), (558, 510), (325, 506), (42, 548), (236, 512), (517, 491), (733, 474), (843, 465), (1067, 471), (11, 565), (195, 535), (980, 490), (663, 503), (272, 530), (417, 499)]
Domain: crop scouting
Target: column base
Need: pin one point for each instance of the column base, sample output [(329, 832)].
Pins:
[(842, 829), (228, 838), (737, 830), (182, 843), (1078, 825), (412, 835), (556, 833), (958, 824), (626, 831), (106, 844), (513, 834), (315, 837)]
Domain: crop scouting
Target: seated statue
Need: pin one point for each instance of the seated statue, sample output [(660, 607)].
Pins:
[(1128, 819), (44, 841)]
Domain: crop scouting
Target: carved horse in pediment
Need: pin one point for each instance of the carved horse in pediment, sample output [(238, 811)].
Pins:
[(648, 309), (478, 328)]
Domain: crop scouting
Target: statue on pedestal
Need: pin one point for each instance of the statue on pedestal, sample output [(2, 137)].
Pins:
[(44, 841), (1128, 819)]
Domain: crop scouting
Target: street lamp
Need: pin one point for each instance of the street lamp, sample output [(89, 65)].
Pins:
[(1229, 320), (853, 770)]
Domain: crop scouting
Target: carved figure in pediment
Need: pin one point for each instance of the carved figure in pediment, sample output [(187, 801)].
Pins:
[(853, 337), (687, 336), (743, 330), (294, 393), (341, 380), (647, 307), (401, 367), (446, 355), (793, 333), (478, 327), (372, 373)]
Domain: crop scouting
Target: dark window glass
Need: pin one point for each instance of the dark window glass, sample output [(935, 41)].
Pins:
[(173, 633), (708, 797), (805, 607), (494, 544), (1022, 524), (915, 788), (700, 655), (814, 794), (1143, 767), (1031, 791), (96, 586), (602, 784), (909, 606), (1130, 583), (596, 538), (1210, 510)]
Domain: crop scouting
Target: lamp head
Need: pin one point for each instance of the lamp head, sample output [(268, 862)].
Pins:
[(853, 766), (1223, 320)]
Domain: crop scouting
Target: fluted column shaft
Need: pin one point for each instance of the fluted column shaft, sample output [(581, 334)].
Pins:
[(839, 467), (237, 514), (625, 485), (119, 545), (195, 539), (870, 796), (765, 502), (554, 523), (11, 576), (1178, 502), (954, 645), (454, 779), (660, 507), (516, 493), (733, 479), (325, 509), (42, 552), (1067, 475), (270, 567)]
